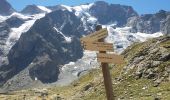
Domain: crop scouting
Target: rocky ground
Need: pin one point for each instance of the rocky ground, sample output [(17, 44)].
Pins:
[(150, 59)]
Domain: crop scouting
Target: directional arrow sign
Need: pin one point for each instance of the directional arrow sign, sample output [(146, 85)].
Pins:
[(110, 58), (98, 46), (95, 36)]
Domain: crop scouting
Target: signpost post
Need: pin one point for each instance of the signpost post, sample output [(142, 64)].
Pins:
[(95, 42)]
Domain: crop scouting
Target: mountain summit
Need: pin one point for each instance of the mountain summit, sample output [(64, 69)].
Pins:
[(34, 9), (5, 8)]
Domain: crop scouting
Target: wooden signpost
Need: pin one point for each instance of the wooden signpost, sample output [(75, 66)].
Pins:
[(95, 42), (98, 46), (110, 58), (95, 36)]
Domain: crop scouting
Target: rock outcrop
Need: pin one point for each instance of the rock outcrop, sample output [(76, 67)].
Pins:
[(148, 23), (5, 8), (112, 13), (31, 9), (165, 26), (150, 59)]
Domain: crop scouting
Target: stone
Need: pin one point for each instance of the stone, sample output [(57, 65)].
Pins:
[(156, 98), (156, 63), (87, 87), (155, 84), (165, 56), (165, 26), (138, 59)]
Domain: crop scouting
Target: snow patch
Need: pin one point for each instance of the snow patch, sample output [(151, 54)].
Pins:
[(73, 70), (3, 18), (15, 14), (143, 36), (44, 9), (68, 39), (78, 9), (92, 20), (15, 33), (67, 7), (82, 12), (122, 37)]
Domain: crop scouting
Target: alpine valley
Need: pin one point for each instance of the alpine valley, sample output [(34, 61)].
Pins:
[(40, 48)]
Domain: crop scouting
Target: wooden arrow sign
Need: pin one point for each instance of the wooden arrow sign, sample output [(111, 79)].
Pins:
[(110, 58), (95, 36), (98, 46)]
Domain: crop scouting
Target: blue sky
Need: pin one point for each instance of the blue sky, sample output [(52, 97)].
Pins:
[(141, 6)]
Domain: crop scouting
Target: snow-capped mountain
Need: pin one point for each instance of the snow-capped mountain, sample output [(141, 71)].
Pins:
[(34, 9), (149, 23), (122, 37), (12, 27), (42, 43)]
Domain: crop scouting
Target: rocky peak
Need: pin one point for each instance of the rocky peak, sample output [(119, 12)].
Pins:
[(31, 9), (148, 23), (161, 14), (5, 8), (165, 26), (101, 3), (112, 13), (14, 22), (57, 7)]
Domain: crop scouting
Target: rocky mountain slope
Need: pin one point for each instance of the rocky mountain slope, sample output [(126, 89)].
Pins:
[(44, 41), (53, 40), (34, 9), (150, 23), (165, 26), (11, 28), (5, 8), (126, 81), (150, 59)]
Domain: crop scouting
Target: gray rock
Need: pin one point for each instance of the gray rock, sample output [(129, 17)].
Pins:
[(31, 9), (87, 87), (138, 59), (5, 8), (148, 23), (156, 63), (165, 56), (165, 26), (112, 13), (151, 62)]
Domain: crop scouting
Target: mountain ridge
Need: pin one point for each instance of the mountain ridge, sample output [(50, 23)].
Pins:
[(53, 40), (6, 8)]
